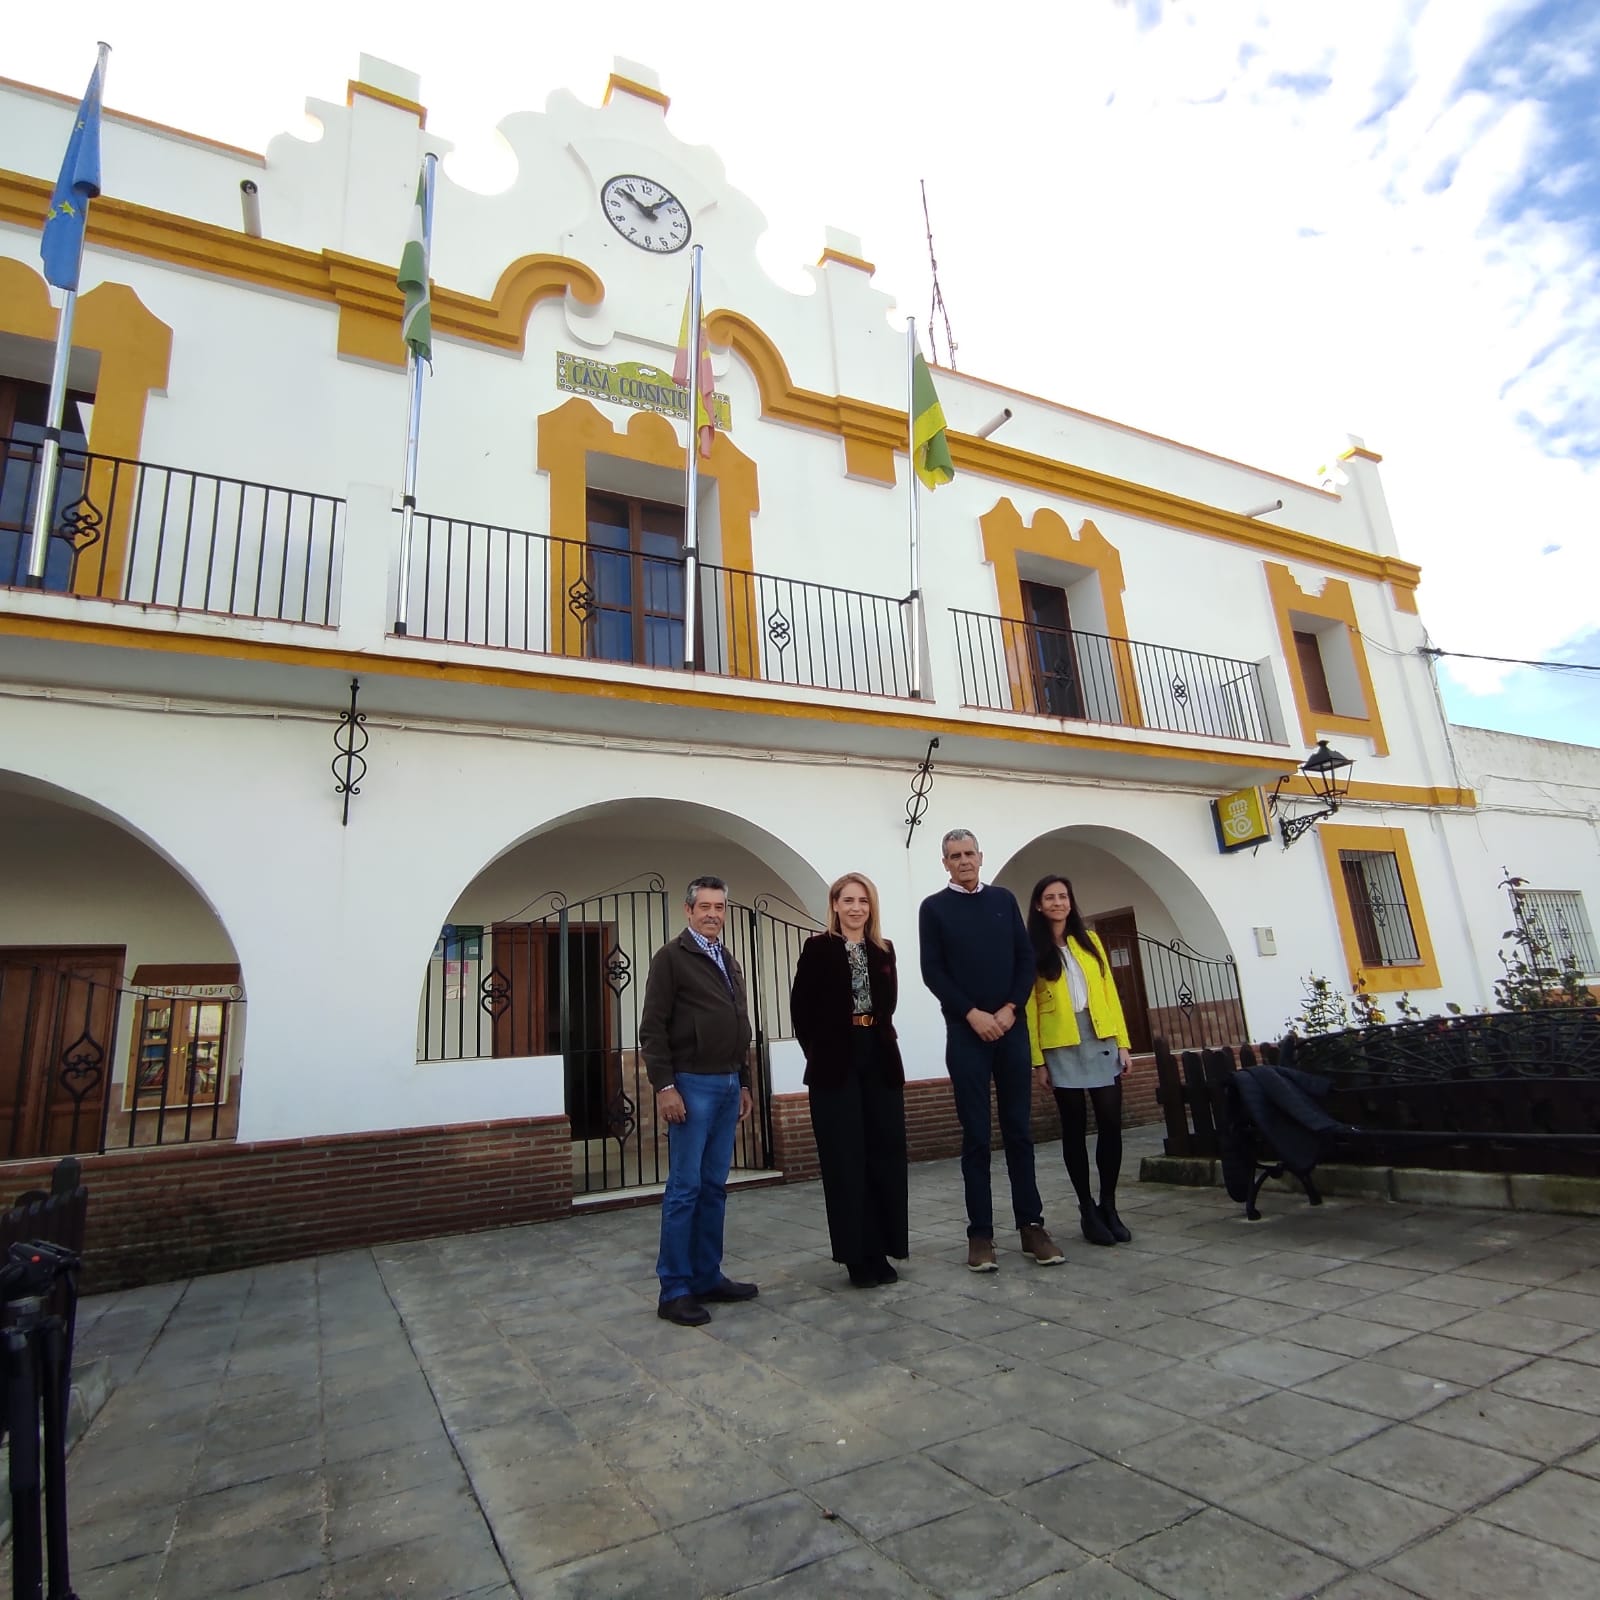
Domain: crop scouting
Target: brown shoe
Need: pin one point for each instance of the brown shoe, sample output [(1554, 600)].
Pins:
[(1040, 1246), (980, 1256)]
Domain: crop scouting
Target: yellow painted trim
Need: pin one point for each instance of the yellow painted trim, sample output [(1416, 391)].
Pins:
[(872, 433), (1005, 536), (1404, 599), (1358, 452), (876, 428), (1337, 605), (365, 292), (112, 115), (574, 431), (402, 665), (1422, 974), (384, 98), (1389, 794), (616, 84), (845, 260), (135, 349)]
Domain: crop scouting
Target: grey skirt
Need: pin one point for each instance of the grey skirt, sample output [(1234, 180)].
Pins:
[(1090, 1064)]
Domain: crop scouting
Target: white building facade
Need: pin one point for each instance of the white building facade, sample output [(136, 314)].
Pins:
[(239, 951)]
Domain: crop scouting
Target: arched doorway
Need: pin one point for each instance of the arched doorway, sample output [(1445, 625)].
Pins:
[(121, 995), (1170, 959), (541, 963)]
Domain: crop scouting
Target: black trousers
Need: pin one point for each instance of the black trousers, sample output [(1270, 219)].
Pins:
[(860, 1129)]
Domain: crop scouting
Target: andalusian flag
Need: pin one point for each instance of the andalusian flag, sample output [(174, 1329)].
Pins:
[(416, 326), (705, 411), (930, 450)]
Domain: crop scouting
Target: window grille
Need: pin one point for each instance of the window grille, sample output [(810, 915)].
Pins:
[(1560, 926), (1378, 906)]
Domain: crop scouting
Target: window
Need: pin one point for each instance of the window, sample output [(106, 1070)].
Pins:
[(636, 574), (1378, 905), (1560, 925), (1313, 673), (23, 408), (179, 1051), (1051, 657)]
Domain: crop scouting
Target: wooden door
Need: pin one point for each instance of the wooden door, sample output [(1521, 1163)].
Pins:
[(1052, 656), (58, 1020), (527, 960), (1120, 936)]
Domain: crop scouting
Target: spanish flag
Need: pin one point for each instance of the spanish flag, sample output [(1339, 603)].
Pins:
[(704, 407), (930, 450)]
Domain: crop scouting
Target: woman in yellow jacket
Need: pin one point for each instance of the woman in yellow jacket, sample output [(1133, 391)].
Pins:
[(1080, 1048)]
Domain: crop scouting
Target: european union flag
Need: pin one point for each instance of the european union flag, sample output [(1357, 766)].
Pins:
[(61, 245)]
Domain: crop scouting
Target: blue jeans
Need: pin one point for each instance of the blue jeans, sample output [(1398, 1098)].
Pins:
[(699, 1153), (972, 1064)]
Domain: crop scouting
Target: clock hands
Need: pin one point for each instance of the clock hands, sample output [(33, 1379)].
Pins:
[(649, 212)]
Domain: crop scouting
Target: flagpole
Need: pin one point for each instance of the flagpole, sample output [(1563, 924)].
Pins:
[(414, 364), (691, 489), (50, 455), (914, 614)]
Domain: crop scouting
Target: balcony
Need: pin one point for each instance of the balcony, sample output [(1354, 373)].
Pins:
[(142, 534), (1014, 666), (477, 584)]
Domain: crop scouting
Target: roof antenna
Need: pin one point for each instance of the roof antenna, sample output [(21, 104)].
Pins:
[(936, 306)]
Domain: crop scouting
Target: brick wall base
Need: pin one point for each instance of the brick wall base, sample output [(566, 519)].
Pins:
[(179, 1210), (932, 1130)]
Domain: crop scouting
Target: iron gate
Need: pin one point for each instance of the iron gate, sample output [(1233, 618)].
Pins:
[(570, 984)]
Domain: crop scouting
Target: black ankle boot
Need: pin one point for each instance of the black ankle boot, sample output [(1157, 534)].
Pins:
[(1114, 1224), (864, 1275), (885, 1271), (1094, 1228)]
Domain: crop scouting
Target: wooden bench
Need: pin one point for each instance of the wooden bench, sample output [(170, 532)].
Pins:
[(1507, 1092)]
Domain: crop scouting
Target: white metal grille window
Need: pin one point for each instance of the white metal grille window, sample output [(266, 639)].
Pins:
[(1558, 920), (1378, 907)]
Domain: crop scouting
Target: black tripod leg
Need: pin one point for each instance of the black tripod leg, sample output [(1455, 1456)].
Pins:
[(53, 1375), (22, 1418)]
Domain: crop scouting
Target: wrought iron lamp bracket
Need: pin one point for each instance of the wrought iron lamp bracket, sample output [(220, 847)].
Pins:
[(921, 783), (350, 739)]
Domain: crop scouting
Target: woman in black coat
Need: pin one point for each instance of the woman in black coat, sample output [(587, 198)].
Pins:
[(842, 1004)]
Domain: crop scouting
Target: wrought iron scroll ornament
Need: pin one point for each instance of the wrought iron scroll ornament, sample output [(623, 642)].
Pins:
[(350, 739), (921, 783)]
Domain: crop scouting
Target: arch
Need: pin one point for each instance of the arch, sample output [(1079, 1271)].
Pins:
[(1177, 979), (41, 790), (1192, 918)]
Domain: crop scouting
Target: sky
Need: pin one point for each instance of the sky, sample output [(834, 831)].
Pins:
[(1256, 227)]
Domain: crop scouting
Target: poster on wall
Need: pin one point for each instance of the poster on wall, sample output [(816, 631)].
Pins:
[(1241, 821), (635, 384)]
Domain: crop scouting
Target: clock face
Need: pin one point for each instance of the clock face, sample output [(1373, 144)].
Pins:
[(646, 213)]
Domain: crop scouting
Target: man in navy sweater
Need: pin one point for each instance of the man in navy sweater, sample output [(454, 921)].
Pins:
[(979, 963)]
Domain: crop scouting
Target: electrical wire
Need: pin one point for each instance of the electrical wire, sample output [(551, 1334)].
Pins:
[(1511, 661)]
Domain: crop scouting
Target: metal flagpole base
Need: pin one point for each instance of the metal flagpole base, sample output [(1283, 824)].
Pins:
[(33, 581), (399, 629)]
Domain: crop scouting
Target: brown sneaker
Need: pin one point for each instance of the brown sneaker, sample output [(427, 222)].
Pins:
[(1040, 1246), (980, 1256)]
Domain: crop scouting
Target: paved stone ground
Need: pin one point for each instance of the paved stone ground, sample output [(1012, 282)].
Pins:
[(1360, 1402)]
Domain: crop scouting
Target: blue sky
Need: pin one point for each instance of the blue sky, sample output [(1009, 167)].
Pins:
[(1255, 227)]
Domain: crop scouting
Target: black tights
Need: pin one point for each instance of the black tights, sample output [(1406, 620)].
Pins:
[(1074, 1108)]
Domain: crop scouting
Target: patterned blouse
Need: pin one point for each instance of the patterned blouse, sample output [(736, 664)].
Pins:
[(860, 983)]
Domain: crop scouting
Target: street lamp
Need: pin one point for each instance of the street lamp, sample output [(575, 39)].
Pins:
[(1328, 774)]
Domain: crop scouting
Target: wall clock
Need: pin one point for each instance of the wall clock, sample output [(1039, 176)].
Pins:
[(645, 213)]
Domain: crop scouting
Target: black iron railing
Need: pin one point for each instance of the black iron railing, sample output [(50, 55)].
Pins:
[(1192, 1000), (475, 583), (1008, 665), (59, 1057), (151, 535)]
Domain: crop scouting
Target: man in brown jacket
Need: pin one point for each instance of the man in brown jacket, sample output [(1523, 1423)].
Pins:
[(694, 1032)]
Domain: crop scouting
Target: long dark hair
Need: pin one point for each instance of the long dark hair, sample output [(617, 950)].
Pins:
[(1046, 956)]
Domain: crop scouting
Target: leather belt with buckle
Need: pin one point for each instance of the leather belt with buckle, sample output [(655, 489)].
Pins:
[(864, 1020)]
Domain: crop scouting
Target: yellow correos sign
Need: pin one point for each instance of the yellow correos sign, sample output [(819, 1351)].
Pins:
[(1241, 820)]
